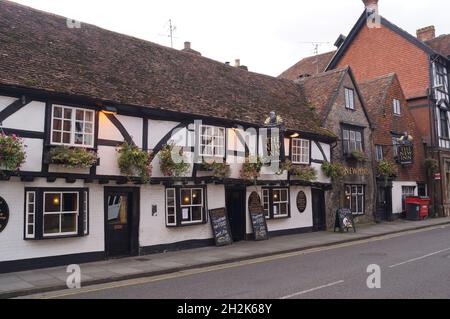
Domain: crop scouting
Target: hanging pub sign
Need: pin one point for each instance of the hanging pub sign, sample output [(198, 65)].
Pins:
[(258, 218), (4, 214), (405, 154), (221, 227)]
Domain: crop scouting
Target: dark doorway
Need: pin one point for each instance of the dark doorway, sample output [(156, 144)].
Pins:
[(121, 222), (384, 203), (235, 201), (318, 207)]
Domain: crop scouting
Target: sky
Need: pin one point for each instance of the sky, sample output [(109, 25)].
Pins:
[(267, 36)]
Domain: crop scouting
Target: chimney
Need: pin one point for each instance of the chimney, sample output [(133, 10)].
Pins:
[(427, 33), (237, 63), (371, 4), (187, 48)]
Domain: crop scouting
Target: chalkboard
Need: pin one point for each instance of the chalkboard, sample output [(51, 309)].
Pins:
[(4, 214), (344, 220), (257, 217), (221, 227)]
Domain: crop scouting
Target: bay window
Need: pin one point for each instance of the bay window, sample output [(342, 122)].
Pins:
[(72, 126), (185, 206), (53, 213), (276, 202)]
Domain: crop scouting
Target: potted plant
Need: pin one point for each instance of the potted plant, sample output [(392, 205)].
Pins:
[(73, 157), (169, 166), (251, 168), (134, 162), (333, 170), (358, 156), (12, 152), (386, 169), (219, 170)]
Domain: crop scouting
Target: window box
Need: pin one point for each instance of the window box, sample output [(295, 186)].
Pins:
[(71, 157), (276, 203), (219, 170), (52, 213), (186, 206)]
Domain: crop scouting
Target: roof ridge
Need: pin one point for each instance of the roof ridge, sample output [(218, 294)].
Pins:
[(381, 77), (323, 74)]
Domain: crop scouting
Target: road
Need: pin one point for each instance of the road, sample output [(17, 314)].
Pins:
[(414, 265)]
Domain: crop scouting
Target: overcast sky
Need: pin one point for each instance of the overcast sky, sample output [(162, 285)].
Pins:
[(268, 36)]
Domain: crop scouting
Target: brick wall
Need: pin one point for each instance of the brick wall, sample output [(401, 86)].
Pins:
[(379, 51)]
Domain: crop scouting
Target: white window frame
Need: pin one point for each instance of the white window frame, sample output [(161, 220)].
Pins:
[(379, 153), (30, 213), (270, 204), (397, 107), (85, 213), (349, 99), (217, 142), (301, 151), (266, 202), (357, 194), (201, 205), (354, 143), (174, 206), (73, 122), (60, 213), (407, 194)]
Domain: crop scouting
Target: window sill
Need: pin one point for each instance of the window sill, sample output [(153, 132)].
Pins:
[(280, 217), (183, 225), (55, 237)]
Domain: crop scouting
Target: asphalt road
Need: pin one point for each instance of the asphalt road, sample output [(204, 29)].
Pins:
[(414, 265)]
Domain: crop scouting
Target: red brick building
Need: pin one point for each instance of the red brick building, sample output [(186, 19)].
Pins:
[(391, 117)]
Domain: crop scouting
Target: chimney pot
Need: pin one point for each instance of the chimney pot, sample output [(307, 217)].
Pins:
[(237, 63), (187, 45), (427, 33)]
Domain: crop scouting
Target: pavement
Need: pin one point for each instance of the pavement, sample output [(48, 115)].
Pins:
[(54, 279)]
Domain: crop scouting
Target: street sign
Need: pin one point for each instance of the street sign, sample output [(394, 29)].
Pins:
[(437, 176)]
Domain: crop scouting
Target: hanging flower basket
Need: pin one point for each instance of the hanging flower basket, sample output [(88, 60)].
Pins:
[(134, 162), (386, 170), (251, 169), (302, 172), (12, 152), (73, 157), (219, 170), (333, 170), (170, 167)]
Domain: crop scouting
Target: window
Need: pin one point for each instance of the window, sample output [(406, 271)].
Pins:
[(397, 108), (352, 141), (72, 126), (60, 214), (300, 151), (379, 153), (444, 123), (395, 145), (212, 141), (350, 99), (276, 202), (53, 213), (185, 206), (354, 198), (407, 191), (422, 189), (30, 210)]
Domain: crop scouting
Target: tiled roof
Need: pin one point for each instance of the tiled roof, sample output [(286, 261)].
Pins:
[(440, 44), (374, 93), (321, 89), (39, 51), (308, 66)]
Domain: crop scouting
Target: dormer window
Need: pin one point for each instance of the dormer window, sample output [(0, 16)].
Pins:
[(72, 126), (349, 99)]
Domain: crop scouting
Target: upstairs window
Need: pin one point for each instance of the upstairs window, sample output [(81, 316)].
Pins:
[(212, 141), (443, 124), (349, 99), (352, 141), (395, 145), (397, 107), (72, 126), (300, 151), (379, 153)]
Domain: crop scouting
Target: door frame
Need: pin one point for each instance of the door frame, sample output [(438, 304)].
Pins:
[(316, 227), (242, 189), (134, 214), (388, 214)]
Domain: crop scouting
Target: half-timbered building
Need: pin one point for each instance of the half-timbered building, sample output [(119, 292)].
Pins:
[(81, 87)]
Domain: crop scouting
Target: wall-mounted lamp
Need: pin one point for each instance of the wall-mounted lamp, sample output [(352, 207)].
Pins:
[(295, 135), (109, 110)]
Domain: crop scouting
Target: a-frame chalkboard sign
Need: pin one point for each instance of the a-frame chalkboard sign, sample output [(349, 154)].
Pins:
[(221, 227), (257, 217), (344, 220)]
